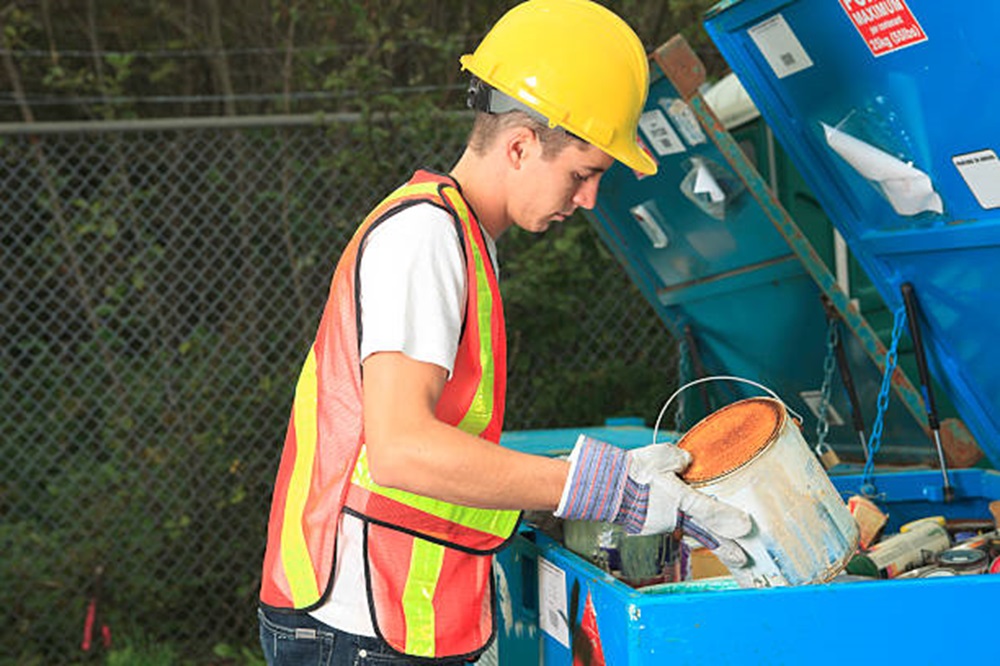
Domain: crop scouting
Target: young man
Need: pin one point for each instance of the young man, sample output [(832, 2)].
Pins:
[(392, 493)]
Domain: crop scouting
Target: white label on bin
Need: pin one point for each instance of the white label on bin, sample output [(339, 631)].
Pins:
[(684, 118), (780, 47), (981, 171), (814, 399), (660, 133), (553, 610)]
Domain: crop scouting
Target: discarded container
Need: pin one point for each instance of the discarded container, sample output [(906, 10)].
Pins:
[(870, 519), (963, 561), (993, 546), (937, 520), (915, 547), (637, 560), (938, 572), (752, 455)]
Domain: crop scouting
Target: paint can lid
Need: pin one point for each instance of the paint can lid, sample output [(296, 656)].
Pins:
[(862, 565), (962, 560), (730, 437)]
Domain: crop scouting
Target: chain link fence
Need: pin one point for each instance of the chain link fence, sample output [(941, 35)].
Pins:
[(161, 283)]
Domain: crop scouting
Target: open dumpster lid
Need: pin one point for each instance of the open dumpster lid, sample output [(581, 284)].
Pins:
[(887, 111), (738, 282)]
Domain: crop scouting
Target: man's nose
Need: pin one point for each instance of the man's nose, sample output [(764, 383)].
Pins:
[(586, 194)]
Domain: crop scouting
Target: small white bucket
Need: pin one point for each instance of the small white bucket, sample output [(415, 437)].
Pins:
[(752, 455)]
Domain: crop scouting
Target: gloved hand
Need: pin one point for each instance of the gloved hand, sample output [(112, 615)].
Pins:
[(640, 490)]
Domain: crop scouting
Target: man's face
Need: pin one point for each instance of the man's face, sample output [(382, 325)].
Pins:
[(552, 188)]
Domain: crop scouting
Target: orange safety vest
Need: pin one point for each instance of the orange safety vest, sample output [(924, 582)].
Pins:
[(427, 562)]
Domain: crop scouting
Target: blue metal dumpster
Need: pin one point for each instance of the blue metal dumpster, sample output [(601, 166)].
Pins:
[(922, 621), (557, 609), (885, 108)]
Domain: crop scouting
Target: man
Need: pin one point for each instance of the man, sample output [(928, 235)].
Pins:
[(392, 493)]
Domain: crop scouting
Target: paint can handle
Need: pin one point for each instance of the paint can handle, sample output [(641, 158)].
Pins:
[(795, 415)]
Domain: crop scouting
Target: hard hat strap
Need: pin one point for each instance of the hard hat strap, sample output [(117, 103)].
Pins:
[(484, 97)]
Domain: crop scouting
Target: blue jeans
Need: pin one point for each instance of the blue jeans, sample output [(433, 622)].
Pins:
[(299, 639)]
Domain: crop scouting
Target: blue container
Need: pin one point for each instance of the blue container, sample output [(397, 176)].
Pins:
[(916, 621), (553, 603), (918, 202), (885, 110)]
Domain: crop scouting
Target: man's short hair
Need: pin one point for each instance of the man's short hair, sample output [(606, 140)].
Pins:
[(488, 126)]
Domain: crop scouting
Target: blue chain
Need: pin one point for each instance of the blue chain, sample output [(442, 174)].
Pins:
[(875, 439)]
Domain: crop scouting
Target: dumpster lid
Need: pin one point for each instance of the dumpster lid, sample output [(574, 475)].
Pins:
[(886, 116)]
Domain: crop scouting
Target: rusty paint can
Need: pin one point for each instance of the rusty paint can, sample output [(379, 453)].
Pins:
[(752, 455)]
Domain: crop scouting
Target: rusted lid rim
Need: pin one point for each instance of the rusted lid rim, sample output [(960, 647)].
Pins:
[(782, 413)]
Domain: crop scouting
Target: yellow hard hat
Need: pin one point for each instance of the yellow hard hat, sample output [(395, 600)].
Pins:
[(576, 63)]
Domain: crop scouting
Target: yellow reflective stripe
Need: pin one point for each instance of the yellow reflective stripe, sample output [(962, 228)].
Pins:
[(401, 192), (294, 551), (410, 190), (480, 411), (418, 597), (496, 522)]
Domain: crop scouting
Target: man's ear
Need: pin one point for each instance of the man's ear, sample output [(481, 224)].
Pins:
[(522, 143)]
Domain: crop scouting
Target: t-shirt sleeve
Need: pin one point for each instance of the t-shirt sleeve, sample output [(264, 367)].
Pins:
[(413, 287)]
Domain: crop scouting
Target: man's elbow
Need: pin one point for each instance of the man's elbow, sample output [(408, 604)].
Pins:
[(387, 468)]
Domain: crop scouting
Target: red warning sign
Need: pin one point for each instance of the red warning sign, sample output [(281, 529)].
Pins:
[(885, 25)]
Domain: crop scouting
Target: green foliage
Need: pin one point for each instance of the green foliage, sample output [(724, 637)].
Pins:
[(154, 59), (151, 348), (549, 285), (239, 656)]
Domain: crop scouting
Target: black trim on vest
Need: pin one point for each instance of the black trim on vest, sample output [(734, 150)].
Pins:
[(365, 518), (398, 208), (364, 238), (468, 656)]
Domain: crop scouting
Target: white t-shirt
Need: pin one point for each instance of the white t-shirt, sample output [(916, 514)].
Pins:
[(412, 300)]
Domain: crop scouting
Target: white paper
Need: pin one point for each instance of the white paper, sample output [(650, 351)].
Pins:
[(553, 608), (684, 118), (981, 172), (814, 399), (780, 47), (705, 183), (908, 189), (660, 133)]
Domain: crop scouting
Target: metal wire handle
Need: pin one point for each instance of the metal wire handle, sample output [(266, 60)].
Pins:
[(663, 410)]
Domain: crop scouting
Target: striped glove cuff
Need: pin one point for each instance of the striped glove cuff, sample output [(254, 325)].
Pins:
[(635, 504), (597, 482)]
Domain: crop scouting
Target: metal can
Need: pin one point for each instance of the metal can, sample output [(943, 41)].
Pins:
[(751, 454), (963, 561), (938, 572), (637, 560), (915, 547), (993, 546)]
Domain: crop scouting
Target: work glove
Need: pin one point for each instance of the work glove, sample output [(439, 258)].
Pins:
[(640, 490)]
